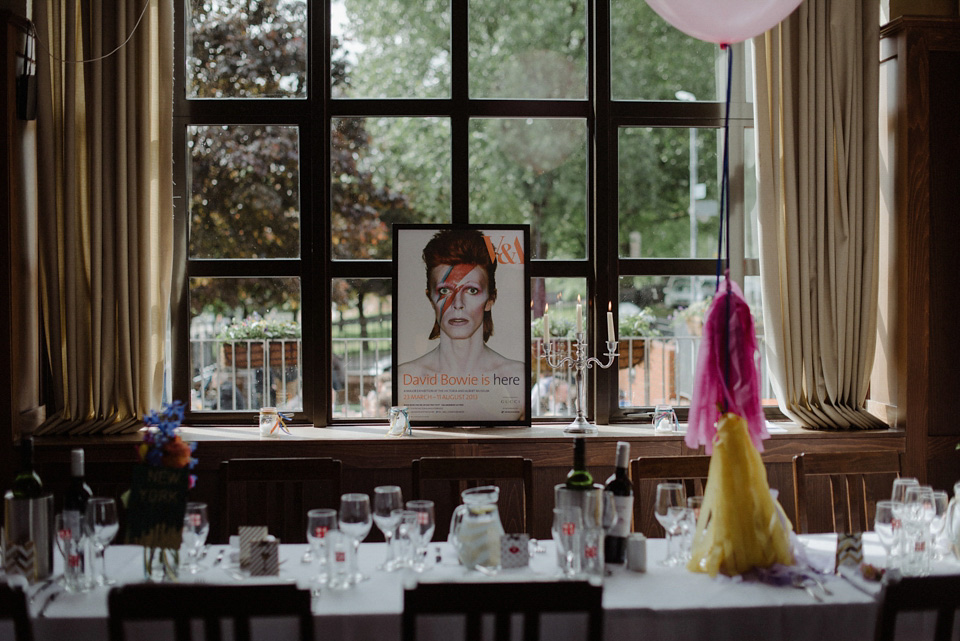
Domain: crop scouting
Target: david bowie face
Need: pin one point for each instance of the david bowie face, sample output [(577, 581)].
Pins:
[(460, 297)]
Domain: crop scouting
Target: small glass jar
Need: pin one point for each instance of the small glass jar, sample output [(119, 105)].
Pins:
[(270, 422)]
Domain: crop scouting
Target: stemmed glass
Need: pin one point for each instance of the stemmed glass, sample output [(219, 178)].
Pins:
[(899, 497), (355, 521), (386, 499), (196, 527), (426, 520), (886, 525), (101, 525), (670, 495), (320, 522), (940, 503), (567, 531)]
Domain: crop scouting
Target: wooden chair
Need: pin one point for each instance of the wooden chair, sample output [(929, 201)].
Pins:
[(13, 607), (850, 476), (916, 594), (443, 478), (646, 471), (502, 601), (276, 492), (182, 604)]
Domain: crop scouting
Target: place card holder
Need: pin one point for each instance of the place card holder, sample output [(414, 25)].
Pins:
[(249, 536), (849, 550), (265, 558), (514, 550)]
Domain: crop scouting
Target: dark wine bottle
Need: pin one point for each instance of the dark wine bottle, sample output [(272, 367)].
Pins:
[(27, 483), (78, 492), (615, 541), (578, 478)]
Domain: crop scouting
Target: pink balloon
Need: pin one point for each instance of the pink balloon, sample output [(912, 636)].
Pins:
[(723, 21)]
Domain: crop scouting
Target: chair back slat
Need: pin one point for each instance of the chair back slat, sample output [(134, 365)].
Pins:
[(183, 604), (646, 471), (276, 492), (845, 480), (502, 601), (442, 479), (939, 594)]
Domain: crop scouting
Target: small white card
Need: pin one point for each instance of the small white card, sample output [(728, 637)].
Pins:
[(265, 558)]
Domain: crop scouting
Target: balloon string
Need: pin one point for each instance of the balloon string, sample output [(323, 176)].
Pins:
[(725, 225)]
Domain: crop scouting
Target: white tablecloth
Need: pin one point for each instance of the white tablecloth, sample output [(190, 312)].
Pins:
[(669, 603)]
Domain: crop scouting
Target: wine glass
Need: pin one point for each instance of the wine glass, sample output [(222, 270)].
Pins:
[(386, 499), (101, 525), (355, 521), (886, 525), (427, 522), (567, 530), (940, 503), (196, 527), (670, 495), (320, 522)]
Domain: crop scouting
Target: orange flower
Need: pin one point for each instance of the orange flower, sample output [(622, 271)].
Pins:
[(176, 453)]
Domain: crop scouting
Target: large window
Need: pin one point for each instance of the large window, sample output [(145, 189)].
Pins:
[(304, 130)]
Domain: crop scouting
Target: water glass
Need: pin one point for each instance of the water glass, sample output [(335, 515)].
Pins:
[(406, 537), (341, 573), (427, 522), (919, 514), (387, 499), (320, 522), (887, 525), (72, 546), (899, 497), (687, 525), (567, 529), (355, 521), (670, 495), (196, 527), (101, 525)]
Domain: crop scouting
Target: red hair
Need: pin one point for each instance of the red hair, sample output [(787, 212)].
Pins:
[(461, 247)]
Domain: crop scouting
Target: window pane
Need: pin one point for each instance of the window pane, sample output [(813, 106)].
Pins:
[(655, 194), (247, 49), (552, 390), (245, 343), (651, 60), (661, 327), (532, 171), (244, 192), (390, 49), (362, 319), (385, 171), (528, 49)]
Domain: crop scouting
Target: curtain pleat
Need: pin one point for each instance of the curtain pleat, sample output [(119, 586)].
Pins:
[(106, 209), (816, 119)]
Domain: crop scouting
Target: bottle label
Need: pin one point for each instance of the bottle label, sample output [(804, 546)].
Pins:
[(624, 507)]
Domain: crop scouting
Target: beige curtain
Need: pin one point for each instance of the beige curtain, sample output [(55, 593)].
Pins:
[(816, 118), (105, 207)]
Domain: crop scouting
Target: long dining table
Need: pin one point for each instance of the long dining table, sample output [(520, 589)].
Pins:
[(661, 603)]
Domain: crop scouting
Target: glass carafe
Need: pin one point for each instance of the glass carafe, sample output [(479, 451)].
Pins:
[(475, 528)]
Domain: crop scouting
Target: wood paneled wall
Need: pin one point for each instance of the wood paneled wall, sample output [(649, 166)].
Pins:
[(368, 463)]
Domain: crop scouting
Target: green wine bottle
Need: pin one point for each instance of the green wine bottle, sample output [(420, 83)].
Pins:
[(27, 483), (578, 478)]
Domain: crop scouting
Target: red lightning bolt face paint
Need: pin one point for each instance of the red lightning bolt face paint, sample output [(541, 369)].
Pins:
[(460, 297)]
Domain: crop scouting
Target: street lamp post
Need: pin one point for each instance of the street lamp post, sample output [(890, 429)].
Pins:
[(686, 96)]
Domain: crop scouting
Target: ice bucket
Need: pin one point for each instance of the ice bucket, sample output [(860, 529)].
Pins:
[(595, 504), (25, 521)]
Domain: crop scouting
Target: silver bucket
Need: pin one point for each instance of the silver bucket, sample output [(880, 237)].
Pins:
[(29, 520), (595, 505)]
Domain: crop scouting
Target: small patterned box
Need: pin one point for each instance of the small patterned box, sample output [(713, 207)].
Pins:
[(514, 550)]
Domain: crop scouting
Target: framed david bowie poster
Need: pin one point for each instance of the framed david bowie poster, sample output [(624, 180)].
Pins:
[(461, 324)]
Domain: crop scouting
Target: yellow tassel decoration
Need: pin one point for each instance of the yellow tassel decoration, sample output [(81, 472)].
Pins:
[(740, 526)]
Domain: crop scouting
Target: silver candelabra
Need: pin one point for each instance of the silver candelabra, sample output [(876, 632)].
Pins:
[(580, 362)]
